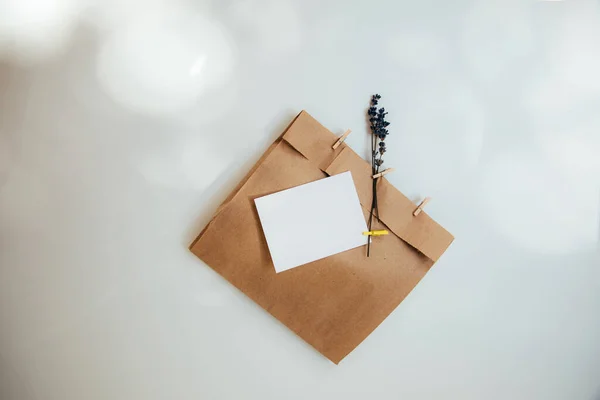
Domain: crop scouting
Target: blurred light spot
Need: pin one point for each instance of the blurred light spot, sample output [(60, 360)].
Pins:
[(197, 67), (496, 36), (109, 15), (562, 98), (416, 50), (31, 30), (538, 207), (576, 50), (273, 25), (575, 148), (569, 79), (441, 136), (191, 165), (214, 105), (160, 66)]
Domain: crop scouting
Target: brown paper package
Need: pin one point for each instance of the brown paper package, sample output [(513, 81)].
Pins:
[(333, 303)]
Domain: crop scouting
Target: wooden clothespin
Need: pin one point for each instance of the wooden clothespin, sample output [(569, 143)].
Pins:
[(376, 233), (382, 173), (420, 208), (341, 139)]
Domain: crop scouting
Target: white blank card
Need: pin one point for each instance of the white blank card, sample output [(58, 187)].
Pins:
[(312, 221)]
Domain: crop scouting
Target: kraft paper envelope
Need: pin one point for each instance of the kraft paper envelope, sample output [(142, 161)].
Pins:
[(336, 302)]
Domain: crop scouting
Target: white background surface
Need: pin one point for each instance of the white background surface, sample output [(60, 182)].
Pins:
[(124, 124)]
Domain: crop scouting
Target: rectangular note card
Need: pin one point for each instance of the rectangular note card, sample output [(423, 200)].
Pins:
[(312, 221)]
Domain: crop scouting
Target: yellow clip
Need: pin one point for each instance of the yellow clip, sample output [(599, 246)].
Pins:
[(376, 233)]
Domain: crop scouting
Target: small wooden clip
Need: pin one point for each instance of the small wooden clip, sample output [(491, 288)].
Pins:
[(420, 208), (382, 173), (341, 139)]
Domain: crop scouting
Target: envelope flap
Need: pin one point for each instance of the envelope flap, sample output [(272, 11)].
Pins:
[(395, 209), (314, 141)]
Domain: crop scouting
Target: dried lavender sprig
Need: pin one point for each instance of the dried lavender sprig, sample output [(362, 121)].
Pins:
[(379, 132)]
